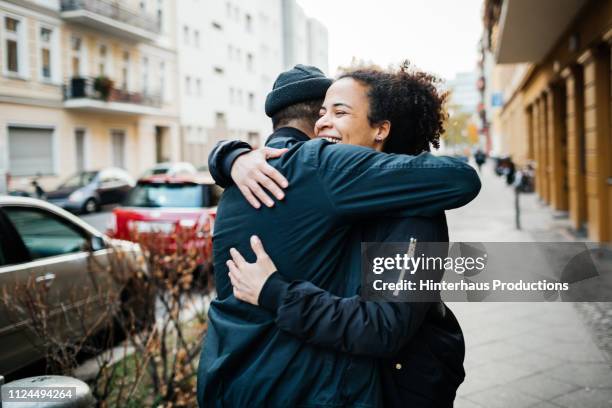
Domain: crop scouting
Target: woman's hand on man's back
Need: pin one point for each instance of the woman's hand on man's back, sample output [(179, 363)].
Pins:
[(252, 173)]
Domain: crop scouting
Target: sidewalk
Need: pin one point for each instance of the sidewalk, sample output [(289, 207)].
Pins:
[(524, 354)]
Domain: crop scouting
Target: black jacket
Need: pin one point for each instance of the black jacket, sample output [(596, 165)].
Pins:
[(420, 345), (247, 360)]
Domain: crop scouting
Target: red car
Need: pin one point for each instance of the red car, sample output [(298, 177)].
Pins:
[(179, 208)]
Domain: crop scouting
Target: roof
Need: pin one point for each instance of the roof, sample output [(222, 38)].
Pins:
[(34, 202)]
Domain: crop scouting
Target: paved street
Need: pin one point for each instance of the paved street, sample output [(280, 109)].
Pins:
[(525, 354), (99, 220)]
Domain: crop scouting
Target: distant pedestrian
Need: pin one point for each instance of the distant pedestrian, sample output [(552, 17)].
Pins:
[(510, 172), (480, 157)]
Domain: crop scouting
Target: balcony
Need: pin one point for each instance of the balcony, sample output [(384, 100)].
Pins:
[(529, 29), (111, 17), (100, 95)]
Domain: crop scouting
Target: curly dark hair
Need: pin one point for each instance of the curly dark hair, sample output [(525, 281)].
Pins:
[(409, 100)]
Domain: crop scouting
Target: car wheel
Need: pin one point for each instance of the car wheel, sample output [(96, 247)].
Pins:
[(90, 206)]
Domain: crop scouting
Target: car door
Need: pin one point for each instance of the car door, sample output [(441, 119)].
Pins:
[(106, 187), (124, 186), (17, 350), (113, 187), (59, 259)]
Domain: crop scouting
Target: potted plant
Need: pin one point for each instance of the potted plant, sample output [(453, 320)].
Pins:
[(103, 85)]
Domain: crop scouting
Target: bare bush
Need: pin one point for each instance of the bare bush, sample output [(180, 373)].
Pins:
[(155, 302)]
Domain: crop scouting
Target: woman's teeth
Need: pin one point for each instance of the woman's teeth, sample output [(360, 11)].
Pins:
[(331, 139)]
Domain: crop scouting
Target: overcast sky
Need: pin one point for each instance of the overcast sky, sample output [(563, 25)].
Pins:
[(440, 36)]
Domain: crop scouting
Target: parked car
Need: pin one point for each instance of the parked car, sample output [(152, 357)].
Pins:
[(171, 169), (42, 244), (168, 205), (86, 191)]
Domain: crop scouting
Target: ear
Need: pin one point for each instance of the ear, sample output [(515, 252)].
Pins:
[(382, 131)]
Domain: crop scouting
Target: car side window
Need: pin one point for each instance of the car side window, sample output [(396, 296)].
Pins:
[(45, 234), (214, 194), (2, 257)]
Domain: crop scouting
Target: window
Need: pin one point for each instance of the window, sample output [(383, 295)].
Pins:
[(145, 75), (160, 15), (44, 234), (12, 35), (30, 150), (220, 118), (250, 62), (102, 60), (76, 48), (125, 71), (46, 37), (231, 96), (249, 23), (172, 195), (238, 54), (230, 52), (196, 38), (198, 86), (228, 9), (79, 142), (186, 35), (118, 148), (162, 79), (188, 85), (4, 259), (251, 102), (239, 97)]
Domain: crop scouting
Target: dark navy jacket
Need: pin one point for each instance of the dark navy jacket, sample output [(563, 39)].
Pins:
[(247, 360), (420, 345)]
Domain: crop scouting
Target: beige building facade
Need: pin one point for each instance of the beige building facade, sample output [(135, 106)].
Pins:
[(86, 84), (558, 115)]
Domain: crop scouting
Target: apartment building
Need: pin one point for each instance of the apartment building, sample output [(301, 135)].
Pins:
[(318, 44), (86, 84), (555, 73), (464, 94), (229, 54), (305, 40)]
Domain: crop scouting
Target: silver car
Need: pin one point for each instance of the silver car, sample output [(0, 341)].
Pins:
[(42, 244), (86, 191)]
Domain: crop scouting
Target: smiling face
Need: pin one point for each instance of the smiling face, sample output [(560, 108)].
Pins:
[(344, 116)]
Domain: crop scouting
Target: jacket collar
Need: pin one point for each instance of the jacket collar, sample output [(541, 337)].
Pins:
[(289, 133)]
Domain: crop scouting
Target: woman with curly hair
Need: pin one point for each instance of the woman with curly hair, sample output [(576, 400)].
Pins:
[(421, 353)]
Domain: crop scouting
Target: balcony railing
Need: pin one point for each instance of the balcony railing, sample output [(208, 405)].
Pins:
[(114, 11), (102, 89)]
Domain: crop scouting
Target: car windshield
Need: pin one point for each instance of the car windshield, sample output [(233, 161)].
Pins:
[(159, 170), (165, 195), (79, 179)]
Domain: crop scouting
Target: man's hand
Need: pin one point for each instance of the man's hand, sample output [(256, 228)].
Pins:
[(249, 278), (251, 172)]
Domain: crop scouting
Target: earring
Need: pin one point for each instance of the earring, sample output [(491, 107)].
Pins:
[(378, 139)]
